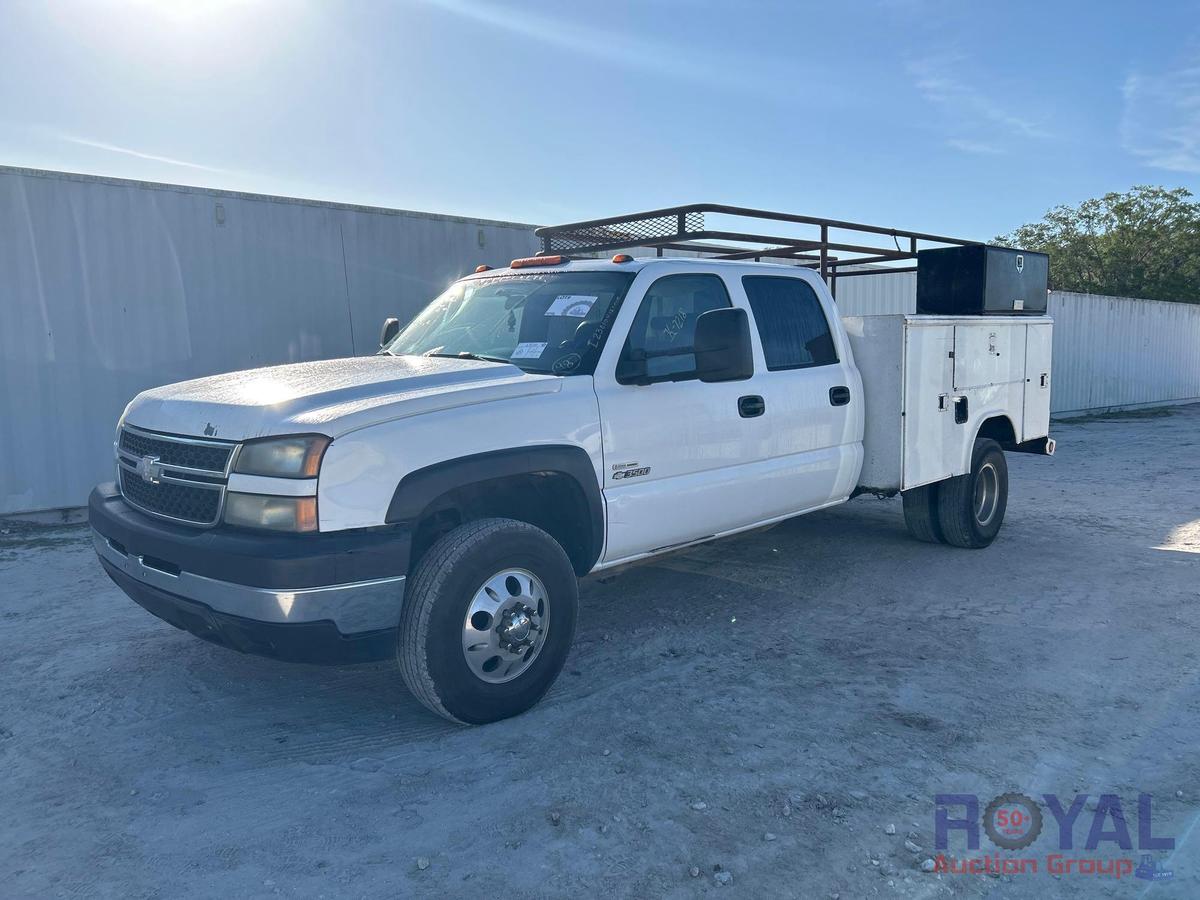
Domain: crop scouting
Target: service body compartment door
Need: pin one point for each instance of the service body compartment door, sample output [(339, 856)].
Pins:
[(1038, 343), (988, 354), (929, 429), (989, 376)]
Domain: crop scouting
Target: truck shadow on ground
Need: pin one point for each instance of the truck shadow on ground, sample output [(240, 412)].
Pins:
[(296, 710)]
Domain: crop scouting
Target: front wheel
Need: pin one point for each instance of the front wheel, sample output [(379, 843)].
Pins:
[(487, 621), (971, 507)]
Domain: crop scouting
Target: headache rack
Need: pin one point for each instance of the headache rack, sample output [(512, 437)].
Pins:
[(835, 248)]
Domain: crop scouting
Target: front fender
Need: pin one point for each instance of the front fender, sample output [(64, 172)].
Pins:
[(361, 468), (418, 490)]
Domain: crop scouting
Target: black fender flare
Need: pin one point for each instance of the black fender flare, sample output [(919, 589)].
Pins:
[(420, 488)]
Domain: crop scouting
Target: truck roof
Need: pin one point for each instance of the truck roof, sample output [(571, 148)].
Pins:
[(635, 264)]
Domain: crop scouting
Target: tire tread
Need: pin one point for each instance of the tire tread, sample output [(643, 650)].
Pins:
[(955, 502), (426, 582), (921, 513)]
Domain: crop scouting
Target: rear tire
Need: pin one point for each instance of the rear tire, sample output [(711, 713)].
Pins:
[(487, 621), (921, 514), (971, 507)]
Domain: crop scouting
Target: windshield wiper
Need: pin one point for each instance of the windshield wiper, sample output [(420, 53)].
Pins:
[(464, 354)]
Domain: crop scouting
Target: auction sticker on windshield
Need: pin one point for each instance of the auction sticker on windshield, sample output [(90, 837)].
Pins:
[(529, 350), (574, 305)]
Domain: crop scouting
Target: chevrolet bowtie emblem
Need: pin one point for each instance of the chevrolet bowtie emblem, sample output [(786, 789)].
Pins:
[(150, 469)]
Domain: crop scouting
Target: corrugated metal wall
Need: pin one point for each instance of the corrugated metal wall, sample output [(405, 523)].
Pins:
[(1122, 352), (109, 287), (877, 295)]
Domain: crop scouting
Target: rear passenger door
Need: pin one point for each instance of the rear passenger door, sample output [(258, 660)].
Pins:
[(812, 398)]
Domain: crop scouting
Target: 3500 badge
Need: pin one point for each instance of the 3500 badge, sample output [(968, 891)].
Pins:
[(630, 473), (629, 470)]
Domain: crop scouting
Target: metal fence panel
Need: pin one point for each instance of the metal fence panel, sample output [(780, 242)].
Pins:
[(109, 287), (1113, 352), (877, 295)]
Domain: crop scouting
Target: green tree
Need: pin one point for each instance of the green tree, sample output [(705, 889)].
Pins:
[(1142, 243)]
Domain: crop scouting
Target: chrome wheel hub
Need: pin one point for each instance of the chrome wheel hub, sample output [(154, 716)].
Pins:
[(987, 494), (505, 625), (516, 628)]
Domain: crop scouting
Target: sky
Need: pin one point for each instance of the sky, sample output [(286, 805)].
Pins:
[(960, 118)]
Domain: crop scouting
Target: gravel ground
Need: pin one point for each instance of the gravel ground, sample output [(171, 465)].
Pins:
[(756, 711)]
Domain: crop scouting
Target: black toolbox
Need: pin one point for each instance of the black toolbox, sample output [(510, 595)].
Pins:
[(981, 280)]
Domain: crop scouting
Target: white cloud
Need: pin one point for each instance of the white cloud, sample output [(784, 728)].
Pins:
[(637, 52), (969, 146), (1160, 121), (138, 154), (992, 122), (626, 48)]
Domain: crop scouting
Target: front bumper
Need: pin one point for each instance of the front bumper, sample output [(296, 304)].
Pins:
[(331, 597)]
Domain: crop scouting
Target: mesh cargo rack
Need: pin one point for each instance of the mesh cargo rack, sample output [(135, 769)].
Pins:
[(686, 228)]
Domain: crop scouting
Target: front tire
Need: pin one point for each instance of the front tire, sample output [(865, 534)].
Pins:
[(971, 507), (487, 621)]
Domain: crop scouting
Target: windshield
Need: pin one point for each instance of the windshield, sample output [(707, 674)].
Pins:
[(551, 322)]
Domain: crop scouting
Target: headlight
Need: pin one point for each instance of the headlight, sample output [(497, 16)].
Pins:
[(272, 513), (288, 457)]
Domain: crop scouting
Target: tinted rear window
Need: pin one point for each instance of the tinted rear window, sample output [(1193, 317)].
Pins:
[(791, 323)]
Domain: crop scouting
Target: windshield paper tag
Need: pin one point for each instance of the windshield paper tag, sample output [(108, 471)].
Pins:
[(530, 350), (574, 305)]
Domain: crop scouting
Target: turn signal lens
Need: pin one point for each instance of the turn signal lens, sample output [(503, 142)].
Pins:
[(306, 513), (528, 261), (295, 514)]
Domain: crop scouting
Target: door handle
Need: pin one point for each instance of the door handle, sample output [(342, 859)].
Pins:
[(751, 406), (839, 396)]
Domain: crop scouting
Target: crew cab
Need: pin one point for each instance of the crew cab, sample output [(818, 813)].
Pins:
[(437, 502)]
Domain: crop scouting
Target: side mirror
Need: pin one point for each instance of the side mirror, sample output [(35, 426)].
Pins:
[(391, 328), (722, 345)]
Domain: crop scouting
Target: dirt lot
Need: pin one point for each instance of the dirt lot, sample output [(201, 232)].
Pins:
[(763, 707)]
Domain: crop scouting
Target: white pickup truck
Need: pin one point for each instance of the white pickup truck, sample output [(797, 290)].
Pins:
[(436, 502)]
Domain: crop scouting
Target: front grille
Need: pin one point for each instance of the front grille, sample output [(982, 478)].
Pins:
[(195, 505), (173, 477), (174, 452)]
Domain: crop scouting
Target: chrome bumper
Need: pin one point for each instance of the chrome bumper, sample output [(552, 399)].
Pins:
[(355, 607)]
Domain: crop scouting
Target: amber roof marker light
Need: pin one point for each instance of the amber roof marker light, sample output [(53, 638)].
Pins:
[(483, 268), (622, 258), (530, 261)]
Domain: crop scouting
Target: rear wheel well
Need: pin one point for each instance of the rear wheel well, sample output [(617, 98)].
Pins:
[(999, 429), (551, 501)]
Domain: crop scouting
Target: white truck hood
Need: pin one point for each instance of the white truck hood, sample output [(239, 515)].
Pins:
[(329, 397)]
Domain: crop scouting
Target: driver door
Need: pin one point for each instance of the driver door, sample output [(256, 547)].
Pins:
[(671, 442)]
